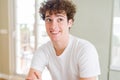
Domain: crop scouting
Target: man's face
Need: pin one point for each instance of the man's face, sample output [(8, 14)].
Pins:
[(57, 25)]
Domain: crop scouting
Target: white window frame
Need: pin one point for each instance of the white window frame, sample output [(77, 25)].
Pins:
[(11, 14)]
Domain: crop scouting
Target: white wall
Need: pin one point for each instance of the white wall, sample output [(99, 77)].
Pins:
[(93, 22)]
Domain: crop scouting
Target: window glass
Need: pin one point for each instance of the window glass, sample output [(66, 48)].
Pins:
[(30, 33), (115, 57)]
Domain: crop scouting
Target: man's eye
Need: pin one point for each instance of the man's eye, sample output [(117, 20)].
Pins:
[(48, 20), (60, 19)]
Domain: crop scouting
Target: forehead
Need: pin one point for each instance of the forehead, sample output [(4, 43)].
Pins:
[(50, 13)]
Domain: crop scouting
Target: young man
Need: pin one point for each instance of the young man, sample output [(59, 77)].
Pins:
[(66, 57)]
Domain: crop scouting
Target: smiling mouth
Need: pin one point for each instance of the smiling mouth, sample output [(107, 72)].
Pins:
[(54, 32)]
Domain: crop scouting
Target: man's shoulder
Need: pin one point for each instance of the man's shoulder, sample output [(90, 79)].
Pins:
[(45, 45), (80, 41)]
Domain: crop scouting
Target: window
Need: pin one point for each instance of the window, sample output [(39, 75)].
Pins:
[(30, 33), (115, 57)]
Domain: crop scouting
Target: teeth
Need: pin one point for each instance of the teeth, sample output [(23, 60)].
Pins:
[(54, 32)]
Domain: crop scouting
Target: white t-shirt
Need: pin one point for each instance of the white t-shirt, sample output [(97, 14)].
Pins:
[(79, 59)]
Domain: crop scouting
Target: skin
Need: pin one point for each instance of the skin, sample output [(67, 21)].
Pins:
[(34, 75), (57, 27)]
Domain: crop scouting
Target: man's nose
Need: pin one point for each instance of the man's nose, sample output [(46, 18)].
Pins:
[(54, 24)]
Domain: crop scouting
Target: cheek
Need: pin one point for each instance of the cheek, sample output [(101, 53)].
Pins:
[(47, 30), (65, 28), (47, 26)]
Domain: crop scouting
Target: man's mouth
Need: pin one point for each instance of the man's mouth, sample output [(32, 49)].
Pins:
[(54, 32)]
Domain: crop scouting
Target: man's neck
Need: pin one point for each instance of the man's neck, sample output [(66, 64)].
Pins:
[(60, 45)]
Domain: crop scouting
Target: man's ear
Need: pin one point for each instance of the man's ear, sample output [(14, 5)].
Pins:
[(70, 22)]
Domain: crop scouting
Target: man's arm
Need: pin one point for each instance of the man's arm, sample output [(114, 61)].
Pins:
[(33, 75), (91, 78)]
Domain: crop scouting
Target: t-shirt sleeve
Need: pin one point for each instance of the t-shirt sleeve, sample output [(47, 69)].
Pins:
[(39, 60), (88, 62)]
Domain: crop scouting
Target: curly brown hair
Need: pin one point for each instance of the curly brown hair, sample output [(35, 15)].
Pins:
[(58, 6)]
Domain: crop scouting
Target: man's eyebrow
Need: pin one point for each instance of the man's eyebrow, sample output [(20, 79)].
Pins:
[(57, 15), (47, 16)]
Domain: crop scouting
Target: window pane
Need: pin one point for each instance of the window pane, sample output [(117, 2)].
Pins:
[(42, 35), (30, 33), (25, 47), (25, 38), (115, 62), (25, 11), (115, 57)]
